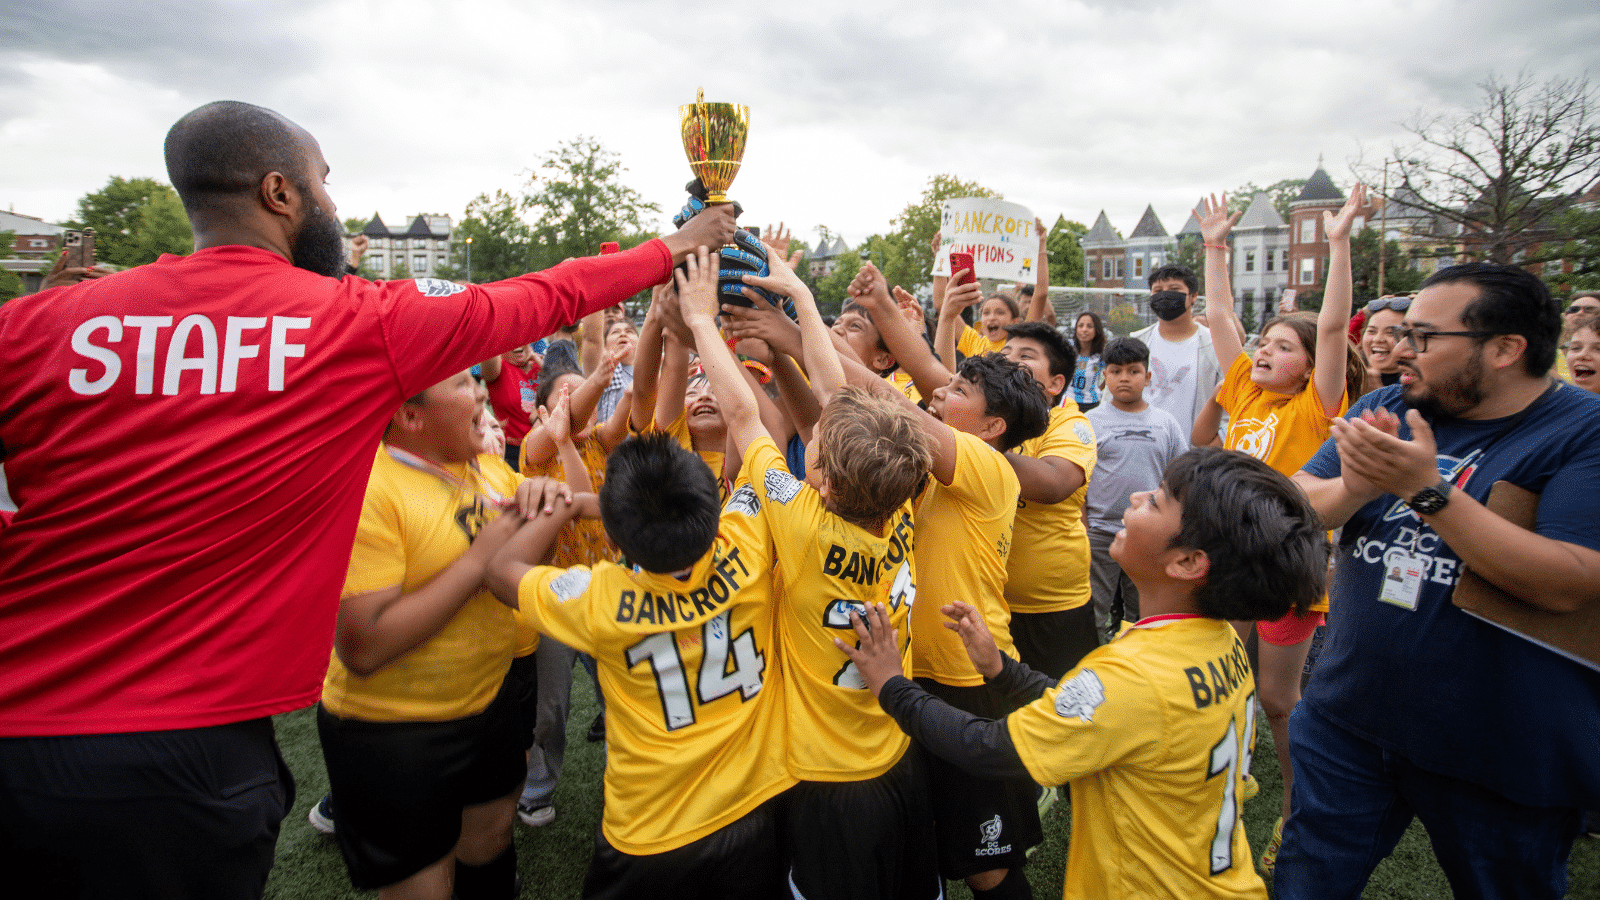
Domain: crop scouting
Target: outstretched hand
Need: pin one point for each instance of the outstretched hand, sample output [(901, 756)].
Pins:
[(1215, 223), (870, 288), (777, 242), (764, 322), (967, 622), (557, 418), (910, 309), (877, 652), (711, 227), (697, 287), (1337, 227)]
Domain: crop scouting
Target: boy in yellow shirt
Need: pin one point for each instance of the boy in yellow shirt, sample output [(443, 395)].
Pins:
[(1153, 731)]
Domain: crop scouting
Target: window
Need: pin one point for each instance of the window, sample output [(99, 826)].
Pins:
[(1138, 267), (1249, 297), (441, 260), (1266, 301), (1249, 260), (1308, 271), (1105, 268), (38, 242), (419, 263), (1155, 261), (374, 262), (1270, 254), (1122, 268), (1308, 230)]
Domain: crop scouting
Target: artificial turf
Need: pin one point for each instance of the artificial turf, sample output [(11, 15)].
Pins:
[(553, 858)]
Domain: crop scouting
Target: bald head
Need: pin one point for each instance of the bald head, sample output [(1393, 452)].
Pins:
[(218, 154)]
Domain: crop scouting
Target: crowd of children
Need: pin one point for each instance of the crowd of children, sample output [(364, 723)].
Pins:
[(748, 547)]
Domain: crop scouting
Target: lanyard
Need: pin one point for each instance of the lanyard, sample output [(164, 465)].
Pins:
[(487, 496)]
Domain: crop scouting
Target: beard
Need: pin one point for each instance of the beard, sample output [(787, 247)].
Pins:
[(1454, 394), (319, 245)]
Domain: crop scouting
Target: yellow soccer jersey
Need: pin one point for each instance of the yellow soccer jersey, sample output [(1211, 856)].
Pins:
[(826, 567), (902, 382), (963, 540), (715, 459), (413, 526), (694, 724), (1049, 566), (1154, 732), (971, 343)]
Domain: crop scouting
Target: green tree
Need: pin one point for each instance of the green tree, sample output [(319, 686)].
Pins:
[(401, 271), (354, 226), (831, 289), (1066, 253), (135, 221), (1578, 233), (1247, 315), (914, 228), (502, 242), (1398, 275), (1123, 319), (1281, 193), (1507, 170), (576, 201), (1189, 253), (10, 282)]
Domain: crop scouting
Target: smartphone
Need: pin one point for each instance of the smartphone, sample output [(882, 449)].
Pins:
[(609, 247), (80, 248), (959, 261)]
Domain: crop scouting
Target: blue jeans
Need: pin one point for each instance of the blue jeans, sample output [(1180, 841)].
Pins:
[(1352, 801)]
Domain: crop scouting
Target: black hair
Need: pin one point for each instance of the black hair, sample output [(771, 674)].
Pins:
[(551, 373), (1057, 349), (1125, 352), (1511, 300), (659, 503), (1181, 273), (219, 153), (1267, 549), (1097, 344), (1009, 392)]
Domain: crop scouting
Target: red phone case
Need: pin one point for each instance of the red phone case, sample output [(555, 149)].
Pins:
[(959, 261), (609, 247)]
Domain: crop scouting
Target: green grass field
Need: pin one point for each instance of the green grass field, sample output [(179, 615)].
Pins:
[(553, 858)]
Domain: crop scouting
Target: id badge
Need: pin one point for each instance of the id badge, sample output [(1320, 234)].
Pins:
[(1402, 580)]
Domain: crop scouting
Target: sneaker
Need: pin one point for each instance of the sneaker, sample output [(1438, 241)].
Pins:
[(321, 815), (597, 729), (1249, 789), (1269, 856), (1047, 799), (536, 816)]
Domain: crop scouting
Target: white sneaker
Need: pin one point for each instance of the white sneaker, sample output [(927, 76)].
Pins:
[(321, 815), (536, 816)]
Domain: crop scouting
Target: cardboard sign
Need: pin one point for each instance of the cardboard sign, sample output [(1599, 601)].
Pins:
[(999, 235)]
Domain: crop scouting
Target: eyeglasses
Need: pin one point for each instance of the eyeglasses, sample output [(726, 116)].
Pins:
[(1419, 339), (1398, 304), (1575, 309)]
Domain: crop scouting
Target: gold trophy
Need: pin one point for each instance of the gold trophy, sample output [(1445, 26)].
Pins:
[(713, 139)]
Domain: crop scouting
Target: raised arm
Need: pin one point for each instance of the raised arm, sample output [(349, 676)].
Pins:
[(910, 349), (1333, 321), (532, 543), (816, 343), (647, 363), (1039, 308), (1215, 223), (944, 437), (491, 368), (697, 300), (558, 427), (956, 298)]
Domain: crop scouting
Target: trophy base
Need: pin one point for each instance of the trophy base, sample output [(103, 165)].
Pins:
[(716, 197)]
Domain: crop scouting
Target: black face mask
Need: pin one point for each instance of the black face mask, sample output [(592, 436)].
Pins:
[(1169, 305)]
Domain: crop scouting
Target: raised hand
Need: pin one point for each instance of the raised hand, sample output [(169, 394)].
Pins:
[(557, 418), (910, 309), (711, 227), (777, 242), (697, 286), (1338, 226), (763, 322), (869, 288), (1215, 223)]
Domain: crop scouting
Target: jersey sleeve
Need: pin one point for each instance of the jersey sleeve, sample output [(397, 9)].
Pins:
[(1231, 391), (556, 602), (1100, 714), (378, 557), (787, 504), (983, 479), (1072, 440)]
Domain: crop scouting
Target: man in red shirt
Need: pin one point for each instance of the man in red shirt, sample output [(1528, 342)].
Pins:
[(187, 443)]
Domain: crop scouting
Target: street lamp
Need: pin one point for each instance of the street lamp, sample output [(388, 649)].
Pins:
[(469, 259)]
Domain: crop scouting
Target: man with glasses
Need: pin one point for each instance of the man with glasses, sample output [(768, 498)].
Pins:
[(1584, 303), (1417, 709)]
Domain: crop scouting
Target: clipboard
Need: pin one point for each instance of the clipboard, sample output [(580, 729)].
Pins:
[(1575, 636)]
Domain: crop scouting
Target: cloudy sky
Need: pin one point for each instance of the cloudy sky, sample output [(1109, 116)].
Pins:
[(1065, 106)]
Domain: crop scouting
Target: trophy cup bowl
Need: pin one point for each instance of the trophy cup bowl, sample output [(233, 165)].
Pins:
[(713, 139)]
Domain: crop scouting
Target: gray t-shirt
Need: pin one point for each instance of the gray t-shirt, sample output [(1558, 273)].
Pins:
[(1133, 451)]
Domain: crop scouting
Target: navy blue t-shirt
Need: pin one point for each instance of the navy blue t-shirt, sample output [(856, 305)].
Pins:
[(1452, 693)]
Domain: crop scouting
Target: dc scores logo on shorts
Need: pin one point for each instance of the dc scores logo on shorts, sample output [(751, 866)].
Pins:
[(1079, 696), (989, 833)]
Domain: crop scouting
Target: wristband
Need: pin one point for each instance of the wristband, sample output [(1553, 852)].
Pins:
[(1216, 246)]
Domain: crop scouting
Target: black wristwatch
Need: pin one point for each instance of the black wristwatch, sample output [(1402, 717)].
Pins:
[(1430, 500)]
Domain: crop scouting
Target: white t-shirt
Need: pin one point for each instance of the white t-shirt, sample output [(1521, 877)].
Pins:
[(1175, 377)]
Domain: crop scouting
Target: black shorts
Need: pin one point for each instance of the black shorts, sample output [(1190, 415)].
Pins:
[(522, 683), (870, 839), (190, 813), (1054, 642), (981, 824), (739, 860), (399, 787)]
